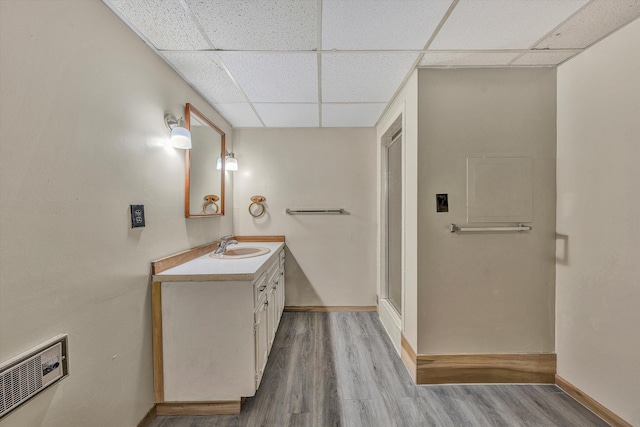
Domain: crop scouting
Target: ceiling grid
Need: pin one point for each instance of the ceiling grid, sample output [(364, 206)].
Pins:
[(537, 42), (336, 63)]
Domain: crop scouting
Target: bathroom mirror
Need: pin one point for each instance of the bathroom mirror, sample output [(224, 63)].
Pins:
[(204, 184)]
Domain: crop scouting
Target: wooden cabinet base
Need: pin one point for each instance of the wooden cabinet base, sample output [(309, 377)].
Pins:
[(228, 407)]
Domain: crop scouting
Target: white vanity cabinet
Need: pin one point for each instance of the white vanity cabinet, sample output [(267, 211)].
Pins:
[(268, 312), (216, 330)]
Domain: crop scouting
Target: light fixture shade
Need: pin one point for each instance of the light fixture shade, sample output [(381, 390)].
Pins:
[(181, 138), (231, 164)]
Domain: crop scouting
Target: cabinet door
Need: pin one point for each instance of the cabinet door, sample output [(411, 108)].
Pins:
[(261, 327), (280, 294), (279, 302), (272, 305), (281, 286)]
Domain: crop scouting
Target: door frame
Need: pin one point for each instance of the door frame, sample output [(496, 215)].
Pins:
[(392, 321)]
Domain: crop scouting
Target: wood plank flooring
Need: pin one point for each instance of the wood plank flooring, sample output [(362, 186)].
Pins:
[(340, 369)]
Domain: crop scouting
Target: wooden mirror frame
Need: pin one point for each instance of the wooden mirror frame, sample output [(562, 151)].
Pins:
[(190, 109)]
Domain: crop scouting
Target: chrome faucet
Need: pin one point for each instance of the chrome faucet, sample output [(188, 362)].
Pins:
[(224, 242)]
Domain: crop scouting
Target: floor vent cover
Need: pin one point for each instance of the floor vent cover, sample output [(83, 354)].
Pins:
[(31, 372)]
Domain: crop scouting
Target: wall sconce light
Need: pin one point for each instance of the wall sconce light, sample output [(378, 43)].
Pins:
[(180, 135), (230, 162)]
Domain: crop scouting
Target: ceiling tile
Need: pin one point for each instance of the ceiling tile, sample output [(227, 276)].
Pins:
[(502, 24), (164, 23), (239, 115), (204, 72), (270, 51), (275, 77), (288, 115), (592, 23), (545, 57), (441, 59), (351, 115), (374, 25), (363, 77), (258, 25)]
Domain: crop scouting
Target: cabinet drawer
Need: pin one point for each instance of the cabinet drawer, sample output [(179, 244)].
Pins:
[(259, 288), (272, 271)]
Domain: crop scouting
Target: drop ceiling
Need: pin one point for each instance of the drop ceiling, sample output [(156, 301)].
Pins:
[(339, 63)]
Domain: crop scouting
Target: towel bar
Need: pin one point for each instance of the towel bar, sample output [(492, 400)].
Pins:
[(315, 211), (457, 229)]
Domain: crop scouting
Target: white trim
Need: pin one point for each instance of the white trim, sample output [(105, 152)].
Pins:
[(392, 323)]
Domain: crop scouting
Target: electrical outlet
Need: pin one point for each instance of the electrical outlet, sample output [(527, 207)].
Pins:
[(137, 216)]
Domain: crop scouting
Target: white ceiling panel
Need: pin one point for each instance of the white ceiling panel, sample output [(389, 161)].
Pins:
[(289, 115), (258, 25), (380, 25), (479, 59), (545, 57), (351, 115), (592, 23), (164, 23), (271, 77), (204, 72), (275, 63), (363, 77), (239, 115), (502, 24)]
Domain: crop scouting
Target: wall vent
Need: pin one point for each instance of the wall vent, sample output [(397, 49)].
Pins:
[(29, 373)]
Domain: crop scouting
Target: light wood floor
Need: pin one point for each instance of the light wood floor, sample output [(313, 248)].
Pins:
[(340, 369)]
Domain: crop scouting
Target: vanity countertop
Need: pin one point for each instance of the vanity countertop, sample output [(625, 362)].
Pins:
[(208, 269)]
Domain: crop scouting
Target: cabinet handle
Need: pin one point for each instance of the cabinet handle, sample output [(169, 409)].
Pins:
[(262, 288), (266, 303)]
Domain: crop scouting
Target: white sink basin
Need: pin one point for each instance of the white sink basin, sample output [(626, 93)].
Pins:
[(241, 252)]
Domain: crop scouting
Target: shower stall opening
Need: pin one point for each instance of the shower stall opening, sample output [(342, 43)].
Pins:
[(391, 231), (393, 173)]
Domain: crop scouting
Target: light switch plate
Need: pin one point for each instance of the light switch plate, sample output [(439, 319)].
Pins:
[(442, 202), (137, 216)]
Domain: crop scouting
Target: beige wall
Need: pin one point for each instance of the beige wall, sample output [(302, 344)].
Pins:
[(598, 272), (484, 293), (82, 101), (330, 258)]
